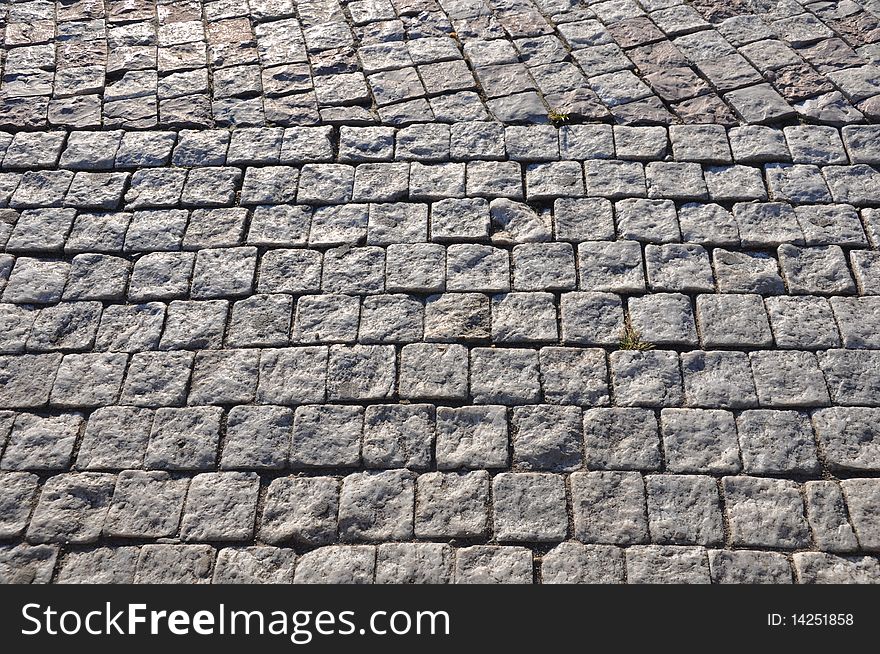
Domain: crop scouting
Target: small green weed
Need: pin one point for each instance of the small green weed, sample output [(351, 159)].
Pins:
[(631, 339)]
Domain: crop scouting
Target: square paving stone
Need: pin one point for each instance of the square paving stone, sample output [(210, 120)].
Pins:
[(717, 379), (223, 272), (292, 376), (583, 219), (848, 437), (776, 442), (436, 181), (821, 568), (40, 230), (489, 564), (765, 512), (574, 376), (802, 322), (853, 376), (701, 441), (523, 317), (157, 379), (397, 223), (816, 270), (515, 222), (432, 371), (211, 186), (684, 509), (72, 508), (98, 232), (609, 507), (788, 378), (224, 377), (194, 325), (41, 443), (258, 564), (548, 266), (743, 183), (36, 281), (663, 318), (417, 267), (377, 506), (97, 277), (676, 180), (354, 270), (220, 506), (161, 275), (505, 376), (652, 221), (115, 438), (69, 326), (290, 271), (88, 380), (260, 320), (391, 319), (733, 320), (27, 564), (460, 219), (472, 437), (547, 437), (326, 318), (381, 182), (591, 318), (184, 439), (656, 564), (529, 506), (835, 224), (767, 224), (858, 319), (158, 230), (646, 378), (614, 179), (15, 322), (452, 505), (611, 266), (747, 272), (145, 505), (27, 379), (174, 564), (327, 436), (749, 567), (268, 185), (398, 436), (279, 225), (621, 439), (102, 565), (678, 267), (361, 372), (325, 184), (348, 564), (471, 267), (257, 437), (301, 510), (571, 562)]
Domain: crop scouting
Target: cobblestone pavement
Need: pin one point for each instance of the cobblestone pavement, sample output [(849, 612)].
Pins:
[(416, 291)]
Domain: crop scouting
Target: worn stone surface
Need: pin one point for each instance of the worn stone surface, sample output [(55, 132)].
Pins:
[(410, 292)]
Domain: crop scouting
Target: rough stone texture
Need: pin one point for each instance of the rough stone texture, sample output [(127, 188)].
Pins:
[(444, 292), (765, 512)]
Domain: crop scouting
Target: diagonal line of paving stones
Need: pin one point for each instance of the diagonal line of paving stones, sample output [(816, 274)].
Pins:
[(314, 292), (195, 63)]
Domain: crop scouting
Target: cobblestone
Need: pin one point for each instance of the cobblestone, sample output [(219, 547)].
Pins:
[(565, 294)]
